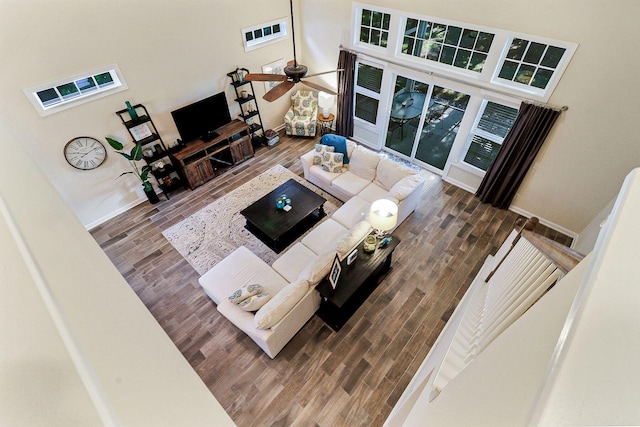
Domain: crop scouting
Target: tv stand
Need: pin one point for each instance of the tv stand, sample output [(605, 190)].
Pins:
[(202, 160), (209, 136)]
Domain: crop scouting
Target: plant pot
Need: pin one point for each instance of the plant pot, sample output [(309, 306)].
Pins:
[(151, 194)]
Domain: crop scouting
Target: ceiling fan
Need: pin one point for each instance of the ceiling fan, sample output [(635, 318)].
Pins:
[(293, 73)]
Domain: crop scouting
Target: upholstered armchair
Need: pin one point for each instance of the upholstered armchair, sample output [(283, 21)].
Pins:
[(301, 118)]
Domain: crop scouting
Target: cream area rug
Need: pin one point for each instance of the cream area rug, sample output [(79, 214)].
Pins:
[(215, 231)]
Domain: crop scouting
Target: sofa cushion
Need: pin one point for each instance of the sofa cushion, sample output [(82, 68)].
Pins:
[(254, 302), (350, 183), (332, 162), (404, 187), (352, 212), (323, 178), (318, 268), (318, 153), (338, 142), (244, 292), (389, 172), (291, 263), (324, 236), (280, 304), (241, 267), (352, 238), (373, 192), (364, 163)]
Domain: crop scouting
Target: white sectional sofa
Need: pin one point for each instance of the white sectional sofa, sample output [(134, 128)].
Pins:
[(291, 282), (370, 177)]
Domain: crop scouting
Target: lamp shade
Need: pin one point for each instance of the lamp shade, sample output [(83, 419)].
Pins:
[(383, 215), (325, 101)]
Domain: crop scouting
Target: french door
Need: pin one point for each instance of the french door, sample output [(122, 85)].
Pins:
[(424, 120)]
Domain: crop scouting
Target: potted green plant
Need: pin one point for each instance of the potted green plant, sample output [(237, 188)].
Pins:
[(141, 172)]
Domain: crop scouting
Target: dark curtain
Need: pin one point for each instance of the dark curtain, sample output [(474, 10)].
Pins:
[(344, 119), (519, 149)]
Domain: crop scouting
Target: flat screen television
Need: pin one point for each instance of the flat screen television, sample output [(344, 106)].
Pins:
[(201, 119)]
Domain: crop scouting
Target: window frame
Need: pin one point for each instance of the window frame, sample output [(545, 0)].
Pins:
[(257, 43), (77, 97), (368, 92)]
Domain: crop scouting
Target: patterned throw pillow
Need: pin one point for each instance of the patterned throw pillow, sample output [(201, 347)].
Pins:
[(319, 151), (245, 292), (332, 162), (255, 302)]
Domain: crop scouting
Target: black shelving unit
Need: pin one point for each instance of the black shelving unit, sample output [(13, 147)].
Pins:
[(249, 111), (143, 131)]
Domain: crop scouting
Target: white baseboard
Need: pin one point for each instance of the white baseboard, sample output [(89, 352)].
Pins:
[(459, 184), (113, 214)]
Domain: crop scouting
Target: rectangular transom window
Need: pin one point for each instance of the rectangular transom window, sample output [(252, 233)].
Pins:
[(374, 27), (451, 45), (264, 34), (530, 63), (59, 95)]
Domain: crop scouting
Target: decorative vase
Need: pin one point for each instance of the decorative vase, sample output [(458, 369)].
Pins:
[(131, 110), (369, 244), (150, 193)]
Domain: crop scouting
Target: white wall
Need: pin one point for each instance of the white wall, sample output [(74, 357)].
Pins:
[(573, 177), (171, 53)]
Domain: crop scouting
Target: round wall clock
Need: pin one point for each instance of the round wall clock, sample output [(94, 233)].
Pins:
[(85, 153)]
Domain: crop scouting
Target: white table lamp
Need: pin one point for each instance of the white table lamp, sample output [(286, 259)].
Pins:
[(383, 216), (325, 101)]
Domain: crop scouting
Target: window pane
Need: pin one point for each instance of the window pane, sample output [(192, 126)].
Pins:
[(524, 74), (448, 53), (437, 32), (481, 152), (267, 31), (376, 20), (417, 48), (508, 70), (468, 39), (68, 90), (257, 33), (542, 77), (552, 57), (248, 36), (48, 97), (276, 28), (103, 79), (375, 37), (407, 45), (384, 39), (364, 35), (484, 42), (366, 17), (366, 108), (411, 28), (477, 61), (369, 77), (423, 30), (497, 119), (86, 85), (516, 50), (462, 58), (453, 35), (433, 52), (385, 21), (534, 53)]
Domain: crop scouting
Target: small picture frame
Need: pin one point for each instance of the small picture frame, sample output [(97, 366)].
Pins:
[(140, 132), (334, 273)]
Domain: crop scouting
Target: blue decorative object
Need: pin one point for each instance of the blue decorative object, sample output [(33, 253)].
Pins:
[(283, 201), (337, 141)]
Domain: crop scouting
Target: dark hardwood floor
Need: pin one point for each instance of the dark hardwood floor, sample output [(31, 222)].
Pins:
[(323, 378)]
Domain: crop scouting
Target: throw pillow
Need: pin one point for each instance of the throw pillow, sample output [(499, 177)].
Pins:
[(317, 269), (319, 151), (255, 302), (389, 172), (244, 292), (351, 239), (280, 305), (404, 187), (332, 162), (363, 163), (339, 143)]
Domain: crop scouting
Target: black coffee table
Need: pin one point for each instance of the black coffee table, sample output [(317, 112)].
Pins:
[(277, 228)]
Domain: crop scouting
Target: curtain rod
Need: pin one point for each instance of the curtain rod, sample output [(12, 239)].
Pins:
[(431, 73)]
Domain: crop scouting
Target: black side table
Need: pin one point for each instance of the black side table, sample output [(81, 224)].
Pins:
[(356, 282)]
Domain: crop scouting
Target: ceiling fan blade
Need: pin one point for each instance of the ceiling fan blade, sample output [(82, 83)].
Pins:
[(318, 87), (278, 91), (324, 72), (259, 77)]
